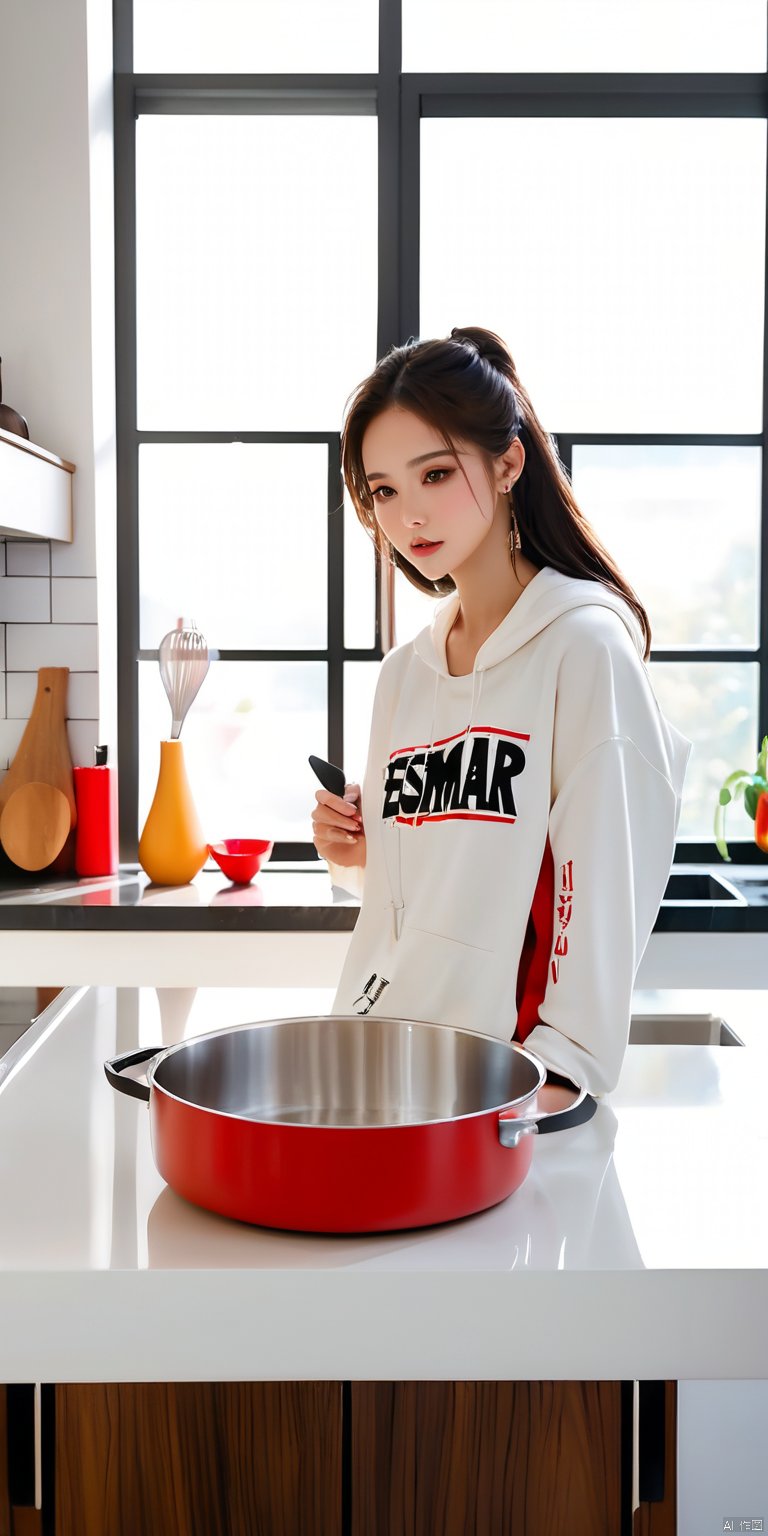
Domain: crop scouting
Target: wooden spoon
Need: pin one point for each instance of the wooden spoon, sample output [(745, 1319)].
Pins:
[(35, 824)]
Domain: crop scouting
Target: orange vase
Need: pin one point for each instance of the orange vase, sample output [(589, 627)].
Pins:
[(172, 849)]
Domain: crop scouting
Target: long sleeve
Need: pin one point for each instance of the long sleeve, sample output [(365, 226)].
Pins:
[(618, 768), (612, 835), (349, 878)]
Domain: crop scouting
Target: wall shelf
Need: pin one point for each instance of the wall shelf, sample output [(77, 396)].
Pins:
[(35, 491)]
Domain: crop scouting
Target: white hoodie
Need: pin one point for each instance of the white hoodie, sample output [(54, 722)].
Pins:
[(520, 826)]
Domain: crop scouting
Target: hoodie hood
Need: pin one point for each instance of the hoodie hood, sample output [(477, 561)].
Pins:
[(549, 594)]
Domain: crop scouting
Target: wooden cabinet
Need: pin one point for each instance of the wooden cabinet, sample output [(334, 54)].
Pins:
[(507, 1457), (353, 1459), (199, 1459), (492, 1456), (35, 491)]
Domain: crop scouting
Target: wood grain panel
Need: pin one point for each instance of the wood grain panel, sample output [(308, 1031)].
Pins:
[(27, 1522), (501, 1458), (198, 1459), (660, 1518)]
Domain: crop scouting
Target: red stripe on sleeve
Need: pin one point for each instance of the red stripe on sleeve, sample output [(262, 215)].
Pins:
[(537, 948)]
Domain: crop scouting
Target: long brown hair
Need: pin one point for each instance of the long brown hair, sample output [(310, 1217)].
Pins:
[(467, 387)]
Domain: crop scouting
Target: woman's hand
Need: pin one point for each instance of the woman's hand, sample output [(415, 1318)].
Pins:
[(337, 824)]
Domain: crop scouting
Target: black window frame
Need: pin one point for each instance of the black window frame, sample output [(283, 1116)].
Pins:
[(399, 100)]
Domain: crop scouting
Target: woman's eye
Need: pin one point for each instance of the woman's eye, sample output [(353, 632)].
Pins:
[(381, 488)]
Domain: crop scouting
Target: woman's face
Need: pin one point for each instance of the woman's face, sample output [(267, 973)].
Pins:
[(431, 500)]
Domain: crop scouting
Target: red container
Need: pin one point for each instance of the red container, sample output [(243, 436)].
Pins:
[(240, 858), (96, 842)]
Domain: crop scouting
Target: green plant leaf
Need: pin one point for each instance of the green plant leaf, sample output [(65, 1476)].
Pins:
[(753, 792), (720, 842), (762, 761)]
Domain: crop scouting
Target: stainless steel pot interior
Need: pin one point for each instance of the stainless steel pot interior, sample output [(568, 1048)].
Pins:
[(346, 1070)]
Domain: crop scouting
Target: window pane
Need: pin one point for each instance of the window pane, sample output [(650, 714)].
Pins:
[(360, 679), (359, 580), (683, 525), (626, 273), (256, 277), (246, 742), (716, 708), (598, 35), (241, 35), (234, 534)]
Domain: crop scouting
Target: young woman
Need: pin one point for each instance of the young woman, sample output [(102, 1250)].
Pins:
[(522, 791)]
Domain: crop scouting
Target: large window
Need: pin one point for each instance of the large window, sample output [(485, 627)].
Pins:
[(278, 231)]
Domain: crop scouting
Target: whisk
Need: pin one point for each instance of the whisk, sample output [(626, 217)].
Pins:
[(184, 662)]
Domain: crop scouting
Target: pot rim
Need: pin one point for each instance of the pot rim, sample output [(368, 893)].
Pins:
[(303, 1018)]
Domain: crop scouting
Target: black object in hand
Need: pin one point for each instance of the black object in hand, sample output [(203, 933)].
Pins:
[(330, 776)]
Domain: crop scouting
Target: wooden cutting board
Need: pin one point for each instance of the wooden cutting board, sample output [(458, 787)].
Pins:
[(43, 752), (34, 825)]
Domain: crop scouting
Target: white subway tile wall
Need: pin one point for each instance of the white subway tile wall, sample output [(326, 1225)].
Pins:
[(47, 619), (27, 558), (73, 600), (25, 599), (51, 645)]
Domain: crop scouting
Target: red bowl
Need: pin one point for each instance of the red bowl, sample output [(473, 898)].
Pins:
[(240, 858)]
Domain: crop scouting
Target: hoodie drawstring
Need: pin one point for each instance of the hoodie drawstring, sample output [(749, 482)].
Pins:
[(476, 671), (398, 904)]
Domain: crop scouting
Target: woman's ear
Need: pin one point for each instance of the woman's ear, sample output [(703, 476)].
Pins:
[(509, 466)]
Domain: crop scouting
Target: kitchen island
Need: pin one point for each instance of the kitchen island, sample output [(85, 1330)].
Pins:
[(636, 1247), (488, 1374)]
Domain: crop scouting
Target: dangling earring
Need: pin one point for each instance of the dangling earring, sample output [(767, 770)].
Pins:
[(515, 542)]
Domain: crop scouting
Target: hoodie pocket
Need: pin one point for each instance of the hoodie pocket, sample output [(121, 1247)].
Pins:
[(457, 887), (445, 982)]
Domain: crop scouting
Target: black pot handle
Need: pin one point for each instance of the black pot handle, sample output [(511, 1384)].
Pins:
[(129, 1085), (577, 1113), (513, 1127)]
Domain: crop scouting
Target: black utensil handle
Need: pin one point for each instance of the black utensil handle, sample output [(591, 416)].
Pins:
[(129, 1085), (330, 776)]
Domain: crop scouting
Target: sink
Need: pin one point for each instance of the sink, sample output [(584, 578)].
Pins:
[(755, 891), (701, 887), (681, 1029)]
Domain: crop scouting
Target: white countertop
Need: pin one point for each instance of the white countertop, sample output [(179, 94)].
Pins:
[(120, 931), (637, 1247)]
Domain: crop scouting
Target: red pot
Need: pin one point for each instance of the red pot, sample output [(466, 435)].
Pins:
[(339, 1123)]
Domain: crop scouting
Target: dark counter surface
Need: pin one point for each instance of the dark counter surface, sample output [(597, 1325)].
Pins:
[(301, 897)]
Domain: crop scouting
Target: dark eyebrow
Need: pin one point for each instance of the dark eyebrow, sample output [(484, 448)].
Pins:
[(437, 453)]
